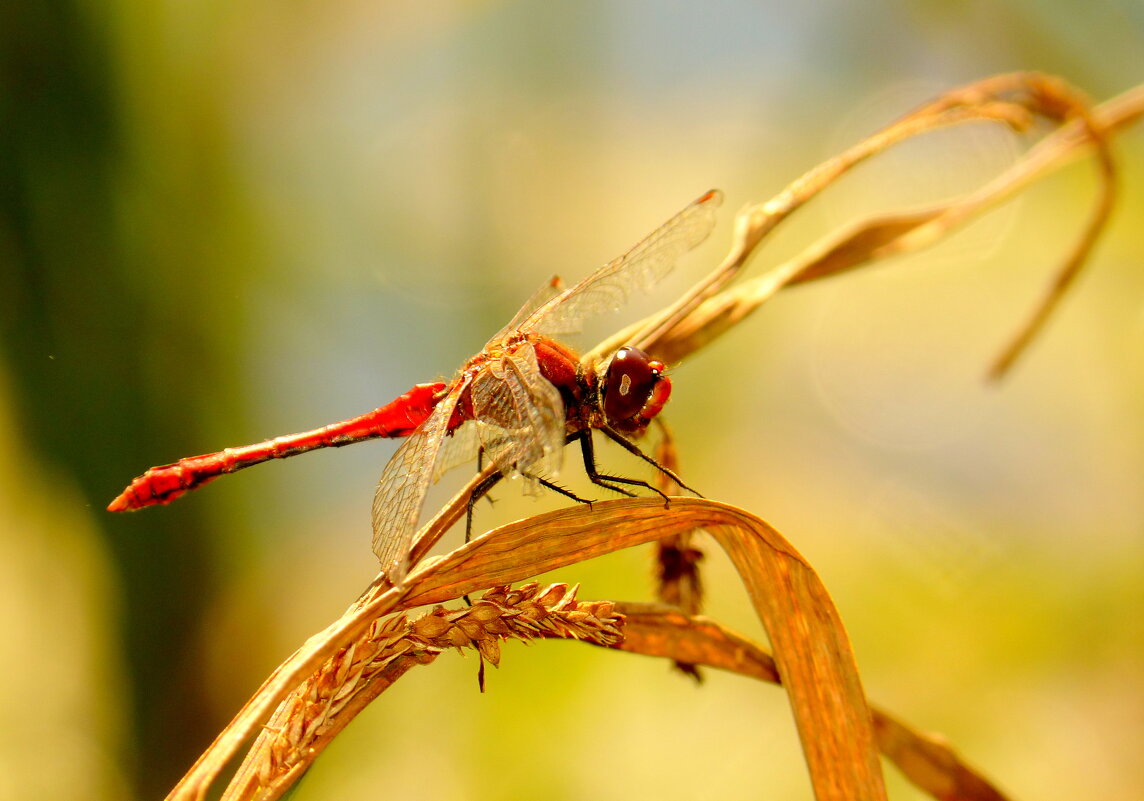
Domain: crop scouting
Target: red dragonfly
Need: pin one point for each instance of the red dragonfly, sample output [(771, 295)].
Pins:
[(524, 396)]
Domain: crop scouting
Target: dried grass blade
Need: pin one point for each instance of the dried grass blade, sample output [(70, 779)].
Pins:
[(814, 655), (892, 235), (976, 102), (662, 631), (814, 660), (678, 580), (818, 666), (1106, 200), (930, 764)]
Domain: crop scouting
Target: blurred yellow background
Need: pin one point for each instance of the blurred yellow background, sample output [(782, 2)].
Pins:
[(225, 221)]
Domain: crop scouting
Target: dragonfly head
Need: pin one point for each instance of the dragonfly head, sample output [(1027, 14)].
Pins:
[(634, 389)]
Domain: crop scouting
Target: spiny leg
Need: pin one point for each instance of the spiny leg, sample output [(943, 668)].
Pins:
[(478, 492), (559, 490), (588, 451), (634, 449), (482, 489)]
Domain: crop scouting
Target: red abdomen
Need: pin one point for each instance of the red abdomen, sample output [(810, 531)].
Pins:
[(161, 485)]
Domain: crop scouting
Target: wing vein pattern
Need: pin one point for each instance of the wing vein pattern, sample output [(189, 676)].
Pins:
[(401, 491), (608, 288), (520, 415)]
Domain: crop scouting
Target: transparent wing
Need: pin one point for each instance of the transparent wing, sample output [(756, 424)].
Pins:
[(553, 287), (461, 446), (401, 491), (520, 415), (609, 287)]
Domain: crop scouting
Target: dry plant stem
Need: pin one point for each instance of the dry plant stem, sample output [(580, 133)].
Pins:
[(894, 234), (930, 764), (316, 712), (753, 223), (1054, 99), (1065, 276), (888, 236), (812, 651), (678, 580), (814, 657), (378, 600)]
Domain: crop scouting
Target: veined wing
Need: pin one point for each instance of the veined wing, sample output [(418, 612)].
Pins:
[(641, 267), (460, 447), (519, 414), (401, 491), (551, 288)]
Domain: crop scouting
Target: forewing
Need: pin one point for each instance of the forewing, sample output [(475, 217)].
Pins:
[(641, 267), (553, 287), (460, 447), (401, 491), (520, 415)]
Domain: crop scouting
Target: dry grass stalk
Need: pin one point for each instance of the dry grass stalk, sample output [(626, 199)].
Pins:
[(811, 647), (814, 656), (678, 581), (926, 761), (320, 708), (710, 309)]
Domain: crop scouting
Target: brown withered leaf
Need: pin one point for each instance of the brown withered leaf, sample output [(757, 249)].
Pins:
[(813, 653), (816, 663), (678, 581), (709, 309)]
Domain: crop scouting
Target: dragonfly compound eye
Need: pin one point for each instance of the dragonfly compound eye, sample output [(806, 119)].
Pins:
[(635, 389)]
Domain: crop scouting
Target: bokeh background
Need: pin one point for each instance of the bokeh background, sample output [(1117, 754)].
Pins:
[(225, 221)]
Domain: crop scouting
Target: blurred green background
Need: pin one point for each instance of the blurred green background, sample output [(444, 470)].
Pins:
[(225, 221)]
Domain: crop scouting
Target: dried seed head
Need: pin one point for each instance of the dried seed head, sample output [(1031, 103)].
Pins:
[(315, 712)]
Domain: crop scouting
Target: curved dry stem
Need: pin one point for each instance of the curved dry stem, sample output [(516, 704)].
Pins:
[(708, 310), (928, 762), (814, 656), (754, 223), (1106, 199), (813, 652)]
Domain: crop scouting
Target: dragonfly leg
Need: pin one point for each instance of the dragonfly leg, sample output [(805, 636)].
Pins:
[(603, 479), (559, 490), (480, 491), (634, 449)]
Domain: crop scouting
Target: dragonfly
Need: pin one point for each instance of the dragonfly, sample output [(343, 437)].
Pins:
[(517, 402)]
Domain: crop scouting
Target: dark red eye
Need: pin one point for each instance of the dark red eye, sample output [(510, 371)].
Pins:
[(635, 389)]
